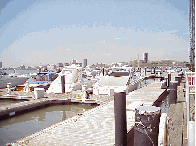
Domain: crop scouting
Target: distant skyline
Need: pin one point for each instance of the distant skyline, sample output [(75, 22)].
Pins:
[(40, 31)]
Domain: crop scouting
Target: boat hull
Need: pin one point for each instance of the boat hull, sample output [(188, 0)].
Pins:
[(13, 80)]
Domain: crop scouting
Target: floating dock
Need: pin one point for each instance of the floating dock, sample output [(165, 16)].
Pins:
[(96, 126)]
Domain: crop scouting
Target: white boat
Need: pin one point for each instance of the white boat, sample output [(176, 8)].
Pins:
[(119, 71), (73, 80), (40, 80)]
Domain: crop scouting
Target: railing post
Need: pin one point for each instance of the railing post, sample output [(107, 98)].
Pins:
[(191, 133), (187, 103)]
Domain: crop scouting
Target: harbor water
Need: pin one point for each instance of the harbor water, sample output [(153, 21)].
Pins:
[(23, 125), (21, 71)]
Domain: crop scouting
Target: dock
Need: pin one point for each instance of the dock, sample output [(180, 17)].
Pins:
[(96, 126)]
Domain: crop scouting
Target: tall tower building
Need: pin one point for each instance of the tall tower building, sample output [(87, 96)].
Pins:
[(0, 64), (84, 64), (145, 57)]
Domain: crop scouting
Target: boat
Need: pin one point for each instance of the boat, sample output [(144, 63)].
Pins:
[(38, 80), (119, 71), (4, 79), (73, 80)]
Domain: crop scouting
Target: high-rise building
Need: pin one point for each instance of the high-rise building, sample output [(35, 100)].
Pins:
[(145, 57), (0, 64), (84, 63), (73, 61)]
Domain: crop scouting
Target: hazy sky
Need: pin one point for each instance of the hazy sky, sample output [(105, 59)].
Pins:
[(52, 31)]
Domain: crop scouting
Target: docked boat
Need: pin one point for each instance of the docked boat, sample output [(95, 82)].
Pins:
[(39, 80), (119, 71), (13, 80), (70, 79)]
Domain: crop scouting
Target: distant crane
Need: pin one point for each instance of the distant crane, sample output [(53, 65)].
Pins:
[(192, 34)]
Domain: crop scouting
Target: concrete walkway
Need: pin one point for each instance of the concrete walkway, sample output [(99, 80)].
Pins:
[(177, 124)]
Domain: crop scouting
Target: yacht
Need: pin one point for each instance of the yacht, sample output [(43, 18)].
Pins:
[(39, 80), (70, 79)]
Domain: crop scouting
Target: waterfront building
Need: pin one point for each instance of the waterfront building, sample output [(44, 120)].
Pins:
[(21, 67), (145, 57), (66, 64), (51, 67), (84, 63), (59, 65), (101, 65), (73, 61)]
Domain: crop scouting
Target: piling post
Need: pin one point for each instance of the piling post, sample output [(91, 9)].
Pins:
[(145, 71), (169, 79), (173, 92), (120, 119), (63, 83), (166, 81), (146, 126), (177, 78), (103, 71)]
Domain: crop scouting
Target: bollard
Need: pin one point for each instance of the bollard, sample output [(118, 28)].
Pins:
[(166, 81), (146, 126), (63, 83), (145, 71), (169, 79), (120, 119), (173, 92), (177, 78), (103, 71)]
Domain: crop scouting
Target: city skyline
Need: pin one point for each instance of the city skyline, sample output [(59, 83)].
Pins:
[(34, 32)]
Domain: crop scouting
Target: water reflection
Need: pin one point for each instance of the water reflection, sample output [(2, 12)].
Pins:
[(23, 125)]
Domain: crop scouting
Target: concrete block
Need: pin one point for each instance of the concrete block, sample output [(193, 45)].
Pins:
[(39, 92)]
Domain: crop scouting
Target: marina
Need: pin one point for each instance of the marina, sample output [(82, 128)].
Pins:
[(89, 73), (85, 130), (141, 91)]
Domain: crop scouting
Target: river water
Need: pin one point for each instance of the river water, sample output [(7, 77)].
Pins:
[(23, 125), (21, 71)]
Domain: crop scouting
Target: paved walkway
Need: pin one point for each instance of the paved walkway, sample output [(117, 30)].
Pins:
[(94, 127), (177, 124)]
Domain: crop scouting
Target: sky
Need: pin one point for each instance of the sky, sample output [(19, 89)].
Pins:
[(40, 32)]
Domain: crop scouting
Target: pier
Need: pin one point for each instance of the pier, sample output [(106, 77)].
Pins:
[(94, 127)]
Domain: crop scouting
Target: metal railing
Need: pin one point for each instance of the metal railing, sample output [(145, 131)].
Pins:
[(190, 90)]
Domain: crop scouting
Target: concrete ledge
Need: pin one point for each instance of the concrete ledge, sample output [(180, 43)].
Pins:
[(34, 105)]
